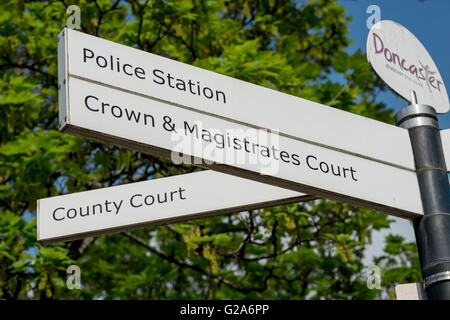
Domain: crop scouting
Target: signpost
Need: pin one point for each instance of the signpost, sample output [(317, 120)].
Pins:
[(121, 95), (153, 202), (126, 69), (404, 64), (233, 133)]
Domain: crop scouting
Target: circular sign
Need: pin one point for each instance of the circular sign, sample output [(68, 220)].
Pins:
[(403, 63)]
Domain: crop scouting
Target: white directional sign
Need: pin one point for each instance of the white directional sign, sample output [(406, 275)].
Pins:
[(128, 69), (445, 140), (154, 202), (404, 64), (121, 95)]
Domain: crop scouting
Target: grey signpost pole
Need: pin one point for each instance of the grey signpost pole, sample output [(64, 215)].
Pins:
[(433, 229)]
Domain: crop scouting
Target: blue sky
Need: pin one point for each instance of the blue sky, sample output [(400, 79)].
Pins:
[(428, 20)]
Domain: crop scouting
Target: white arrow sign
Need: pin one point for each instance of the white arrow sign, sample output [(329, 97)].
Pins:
[(128, 69), (320, 151), (154, 202), (404, 64)]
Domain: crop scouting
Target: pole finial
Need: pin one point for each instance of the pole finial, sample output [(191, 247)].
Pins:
[(413, 97)]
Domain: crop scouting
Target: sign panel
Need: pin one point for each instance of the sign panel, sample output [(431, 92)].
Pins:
[(144, 124), (445, 140), (410, 291), (404, 64), (153, 202), (128, 69)]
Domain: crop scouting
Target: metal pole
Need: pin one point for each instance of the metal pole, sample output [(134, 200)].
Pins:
[(433, 229)]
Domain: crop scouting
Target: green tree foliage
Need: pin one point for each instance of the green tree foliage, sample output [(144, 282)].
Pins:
[(304, 250)]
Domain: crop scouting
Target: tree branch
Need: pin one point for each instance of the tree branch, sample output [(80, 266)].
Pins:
[(183, 264)]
